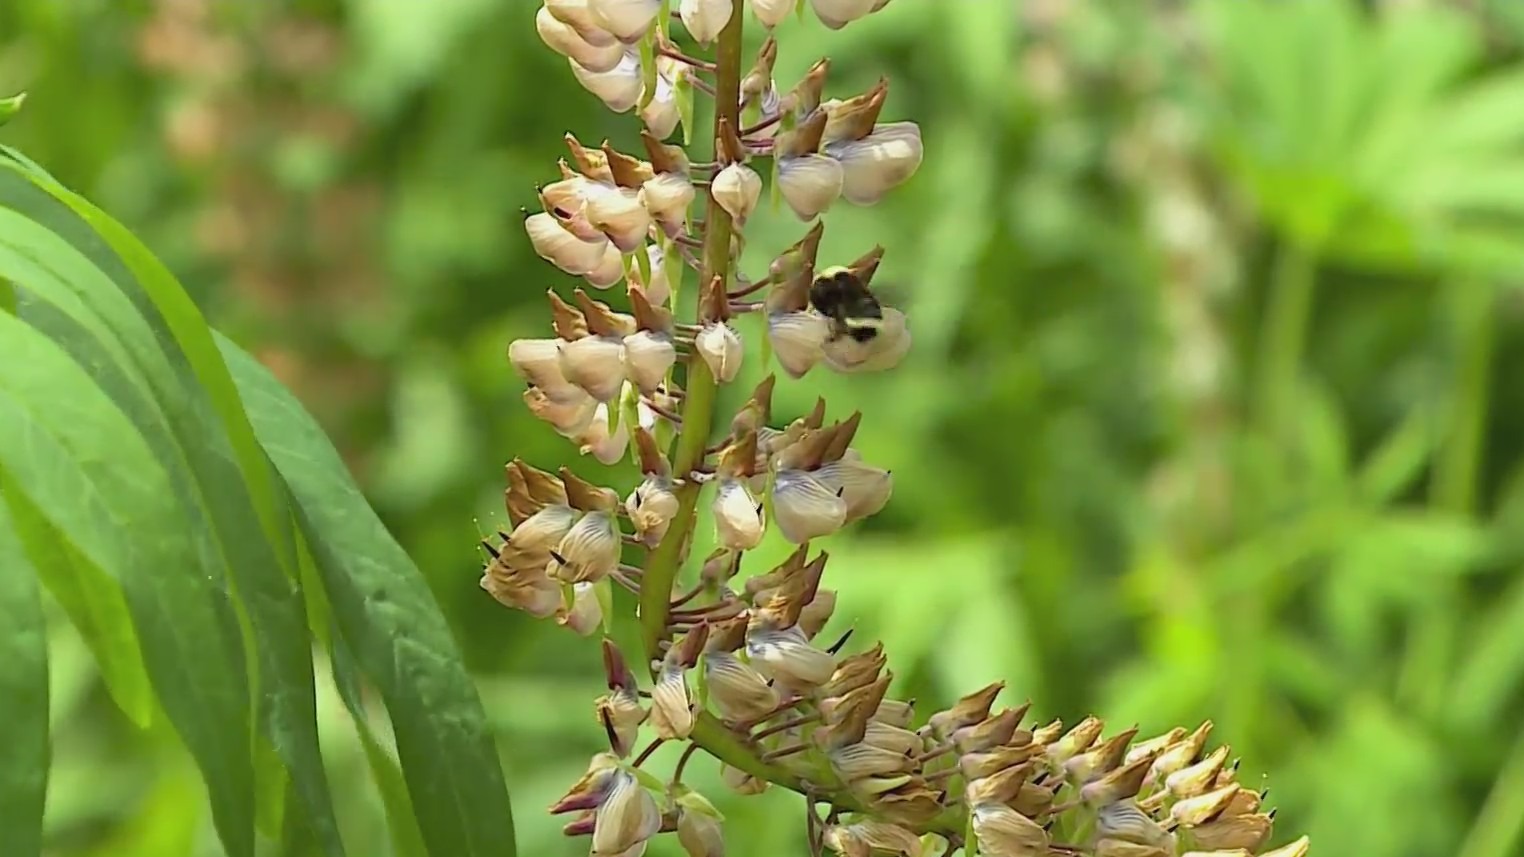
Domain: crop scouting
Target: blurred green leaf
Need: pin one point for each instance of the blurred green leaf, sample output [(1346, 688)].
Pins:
[(24, 745), (385, 611)]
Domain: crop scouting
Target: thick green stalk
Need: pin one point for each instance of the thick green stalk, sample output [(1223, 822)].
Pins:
[(698, 407)]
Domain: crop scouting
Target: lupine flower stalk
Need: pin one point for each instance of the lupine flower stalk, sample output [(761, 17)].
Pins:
[(730, 659)]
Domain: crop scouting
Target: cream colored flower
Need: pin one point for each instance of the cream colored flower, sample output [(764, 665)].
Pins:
[(798, 340), (618, 88), (738, 517), (595, 54), (804, 508), (809, 184), (626, 19), (705, 18), (720, 346), (879, 162), (737, 188)]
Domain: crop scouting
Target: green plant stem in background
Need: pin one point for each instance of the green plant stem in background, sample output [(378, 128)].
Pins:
[(1282, 338), (1460, 457), (1500, 824), (698, 407)]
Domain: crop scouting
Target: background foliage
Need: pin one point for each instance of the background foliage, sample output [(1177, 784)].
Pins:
[(1210, 412)]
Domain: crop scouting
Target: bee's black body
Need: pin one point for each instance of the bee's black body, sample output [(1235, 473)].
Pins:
[(842, 296)]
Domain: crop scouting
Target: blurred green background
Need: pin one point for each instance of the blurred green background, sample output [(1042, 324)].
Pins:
[(1212, 411)]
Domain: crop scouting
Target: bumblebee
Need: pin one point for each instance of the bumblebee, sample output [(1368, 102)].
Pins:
[(843, 298)]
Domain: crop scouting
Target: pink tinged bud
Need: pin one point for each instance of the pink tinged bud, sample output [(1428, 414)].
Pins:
[(809, 184), (836, 14), (648, 355), (879, 162), (884, 351), (720, 346), (698, 826), (671, 704), (585, 614), (626, 19), (804, 508), (785, 655), (737, 516), (651, 507), (736, 689), (621, 714), (589, 551), (595, 438), (564, 39), (618, 88), (583, 825), (704, 19), (771, 13), (737, 188), (798, 340), (596, 364), (865, 489), (1004, 832), (559, 247), (627, 817), (667, 197), (741, 782), (593, 788)]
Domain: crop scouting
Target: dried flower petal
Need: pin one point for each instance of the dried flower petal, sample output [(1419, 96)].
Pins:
[(809, 184), (798, 340), (804, 508), (787, 657), (651, 507), (589, 551), (1004, 832), (877, 163), (720, 346), (627, 817), (737, 516), (739, 692)]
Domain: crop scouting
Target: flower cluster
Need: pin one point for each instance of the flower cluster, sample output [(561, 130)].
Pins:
[(731, 658)]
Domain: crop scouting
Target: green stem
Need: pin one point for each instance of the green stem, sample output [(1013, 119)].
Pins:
[(1460, 458), (1283, 337), (698, 405), (1500, 824)]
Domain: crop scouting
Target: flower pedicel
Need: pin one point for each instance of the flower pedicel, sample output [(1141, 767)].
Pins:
[(733, 664)]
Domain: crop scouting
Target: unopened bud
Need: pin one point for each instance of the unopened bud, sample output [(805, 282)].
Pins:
[(705, 18), (565, 40), (737, 188), (553, 243), (720, 346)]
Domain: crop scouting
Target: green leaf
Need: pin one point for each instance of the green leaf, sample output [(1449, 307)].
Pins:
[(24, 750), (385, 612), (125, 316), (72, 454), (9, 107), (1493, 665), (97, 609)]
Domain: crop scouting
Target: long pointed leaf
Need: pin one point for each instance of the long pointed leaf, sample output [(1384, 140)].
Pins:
[(87, 305), (73, 455), (24, 751), (385, 612)]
